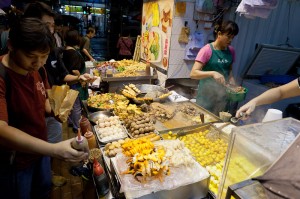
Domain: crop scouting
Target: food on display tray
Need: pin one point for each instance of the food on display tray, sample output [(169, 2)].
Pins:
[(162, 112), (122, 68), (206, 149), (145, 93), (95, 153), (105, 101), (154, 166), (112, 148), (131, 91), (110, 128), (139, 125), (172, 115), (124, 110)]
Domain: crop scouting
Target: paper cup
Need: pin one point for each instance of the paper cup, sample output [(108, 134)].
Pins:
[(272, 114), (225, 116)]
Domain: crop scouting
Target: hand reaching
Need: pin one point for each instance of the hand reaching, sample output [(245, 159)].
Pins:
[(247, 109), (76, 72), (64, 151), (219, 78)]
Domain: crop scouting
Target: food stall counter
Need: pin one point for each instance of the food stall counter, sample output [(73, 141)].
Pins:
[(114, 83)]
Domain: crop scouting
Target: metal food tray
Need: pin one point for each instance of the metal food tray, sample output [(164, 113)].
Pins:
[(94, 117), (130, 136), (195, 190), (191, 129), (147, 88), (182, 120), (103, 143)]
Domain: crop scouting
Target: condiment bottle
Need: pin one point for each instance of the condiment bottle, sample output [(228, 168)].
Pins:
[(100, 178), (85, 125), (89, 135), (80, 143)]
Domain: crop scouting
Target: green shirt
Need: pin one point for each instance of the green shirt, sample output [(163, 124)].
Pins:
[(212, 95)]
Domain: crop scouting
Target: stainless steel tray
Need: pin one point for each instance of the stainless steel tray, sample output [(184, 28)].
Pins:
[(182, 120), (193, 129), (195, 190), (105, 142), (94, 117)]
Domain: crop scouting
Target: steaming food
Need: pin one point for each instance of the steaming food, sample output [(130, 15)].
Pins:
[(236, 89)]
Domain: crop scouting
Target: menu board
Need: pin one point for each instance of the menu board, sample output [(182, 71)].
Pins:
[(156, 31)]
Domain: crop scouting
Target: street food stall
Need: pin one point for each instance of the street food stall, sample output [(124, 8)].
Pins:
[(132, 136), (156, 143), (117, 73), (120, 118)]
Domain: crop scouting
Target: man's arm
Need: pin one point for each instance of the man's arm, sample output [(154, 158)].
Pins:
[(88, 54)]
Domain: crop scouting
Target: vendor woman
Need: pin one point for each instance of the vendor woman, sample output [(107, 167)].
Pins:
[(213, 67)]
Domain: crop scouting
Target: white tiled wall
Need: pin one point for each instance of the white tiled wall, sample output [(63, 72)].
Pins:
[(178, 67)]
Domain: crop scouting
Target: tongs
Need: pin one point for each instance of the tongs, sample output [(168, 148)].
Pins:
[(214, 132), (236, 119)]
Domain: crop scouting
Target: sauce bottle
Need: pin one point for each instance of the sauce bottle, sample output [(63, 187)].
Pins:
[(85, 125), (80, 143), (89, 135), (100, 178)]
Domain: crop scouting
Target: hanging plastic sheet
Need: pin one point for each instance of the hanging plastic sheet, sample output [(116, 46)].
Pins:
[(256, 8), (282, 180)]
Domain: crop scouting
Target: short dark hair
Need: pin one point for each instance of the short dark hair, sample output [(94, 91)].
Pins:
[(90, 30), (72, 38), (38, 10), (227, 27), (31, 34)]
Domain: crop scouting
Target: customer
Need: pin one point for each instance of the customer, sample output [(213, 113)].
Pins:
[(291, 89), (56, 70), (75, 64), (86, 44), (12, 17), (58, 34), (213, 67), (23, 105), (125, 46)]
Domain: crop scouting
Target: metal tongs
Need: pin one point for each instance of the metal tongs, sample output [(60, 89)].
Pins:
[(236, 119)]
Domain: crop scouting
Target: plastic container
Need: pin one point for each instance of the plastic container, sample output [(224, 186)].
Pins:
[(80, 143), (91, 139), (236, 97), (254, 148), (272, 114), (225, 116), (85, 125)]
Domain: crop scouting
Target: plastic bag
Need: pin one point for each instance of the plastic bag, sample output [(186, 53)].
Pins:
[(184, 35), (61, 100)]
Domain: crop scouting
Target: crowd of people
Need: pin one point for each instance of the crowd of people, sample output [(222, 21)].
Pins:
[(35, 60)]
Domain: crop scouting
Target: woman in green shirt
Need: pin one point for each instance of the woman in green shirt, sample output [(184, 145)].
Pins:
[(213, 67)]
